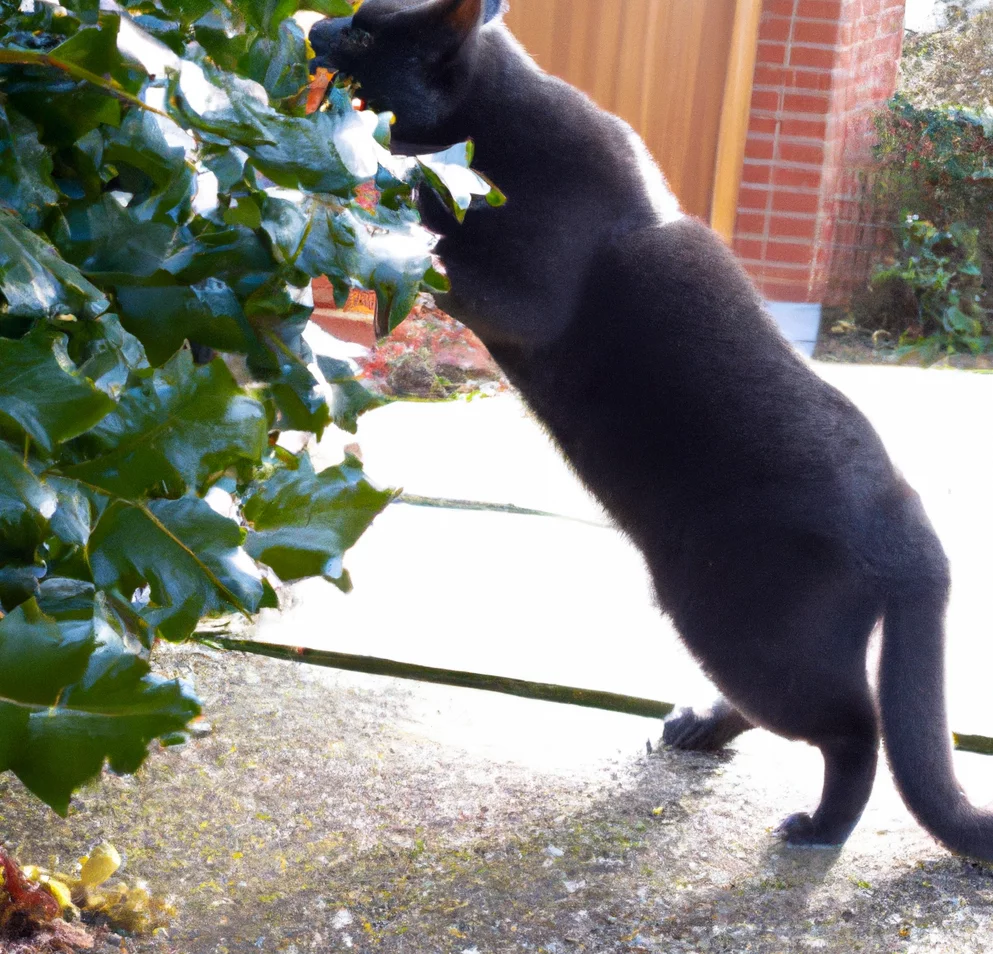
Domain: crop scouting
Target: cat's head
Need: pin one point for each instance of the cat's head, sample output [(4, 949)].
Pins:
[(412, 58)]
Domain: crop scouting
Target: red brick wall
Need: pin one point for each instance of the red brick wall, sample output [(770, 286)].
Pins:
[(823, 68)]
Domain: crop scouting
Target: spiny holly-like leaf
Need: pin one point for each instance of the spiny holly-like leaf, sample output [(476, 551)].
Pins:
[(189, 557), (266, 15), (35, 282), (95, 49), (163, 318), (69, 102), (105, 353), (302, 523), (157, 171), (113, 245), (293, 151), (449, 173), (74, 513), (124, 234), (170, 432), (39, 398), (319, 236), (297, 396), (279, 63), (349, 397), (73, 696), (37, 658), (26, 504), (25, 169), (330, 8)]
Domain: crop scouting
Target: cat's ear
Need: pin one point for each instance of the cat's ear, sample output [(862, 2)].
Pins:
[(495, 8), (457, 17)]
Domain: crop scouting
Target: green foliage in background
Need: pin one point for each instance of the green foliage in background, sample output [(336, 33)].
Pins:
[(933, 180), (152, 194), (936, 162), (940, 273)]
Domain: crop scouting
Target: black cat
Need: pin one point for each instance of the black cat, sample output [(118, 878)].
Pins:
[(776, 530)]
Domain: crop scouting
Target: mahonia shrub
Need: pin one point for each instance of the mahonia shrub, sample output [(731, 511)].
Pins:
[(162, 182)]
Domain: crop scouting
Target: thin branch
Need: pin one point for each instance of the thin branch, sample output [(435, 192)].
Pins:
[(980, 744), (109, 86), (544, 691), (547, 692), (456, 503)]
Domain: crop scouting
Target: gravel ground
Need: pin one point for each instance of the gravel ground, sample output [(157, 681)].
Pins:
[(330, 811)]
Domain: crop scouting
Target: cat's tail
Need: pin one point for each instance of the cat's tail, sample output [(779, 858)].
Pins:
[(914, 723)]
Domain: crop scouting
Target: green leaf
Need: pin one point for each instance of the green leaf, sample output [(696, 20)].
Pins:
[(302, 523), (163, 318), (234, 255), (25, 169), (94, 48), (73, 696), (349, 397), (267, 15), (82, 92), (170, 432), (297, 396), (35, 282), (141, 143), (243, 211), (73, 517), (104, 237), (26, 504), (40, 398), (449, 174), (189, 557), (105, 353), (319, 237), (113, 253), (64, 110), (38, 659), (330, 8), (293, 151), (19, 582), (436, 281), (280, 63)]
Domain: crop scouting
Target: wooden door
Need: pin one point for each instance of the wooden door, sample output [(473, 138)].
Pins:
[(679, 71)]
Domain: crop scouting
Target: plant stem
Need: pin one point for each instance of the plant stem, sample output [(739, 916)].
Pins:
[(544, 691), (547, 692), (109, 86), (456, 503), (981, 744)]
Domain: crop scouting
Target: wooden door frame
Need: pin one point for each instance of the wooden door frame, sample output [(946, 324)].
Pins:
[(735, 111)]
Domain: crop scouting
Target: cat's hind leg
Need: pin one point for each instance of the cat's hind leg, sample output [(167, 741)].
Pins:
[(784, 636)]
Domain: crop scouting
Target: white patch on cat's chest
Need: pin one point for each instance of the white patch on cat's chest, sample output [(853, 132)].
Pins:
[(664, 202)]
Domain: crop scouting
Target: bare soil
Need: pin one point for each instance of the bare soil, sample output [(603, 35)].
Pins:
[(860, 346)]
